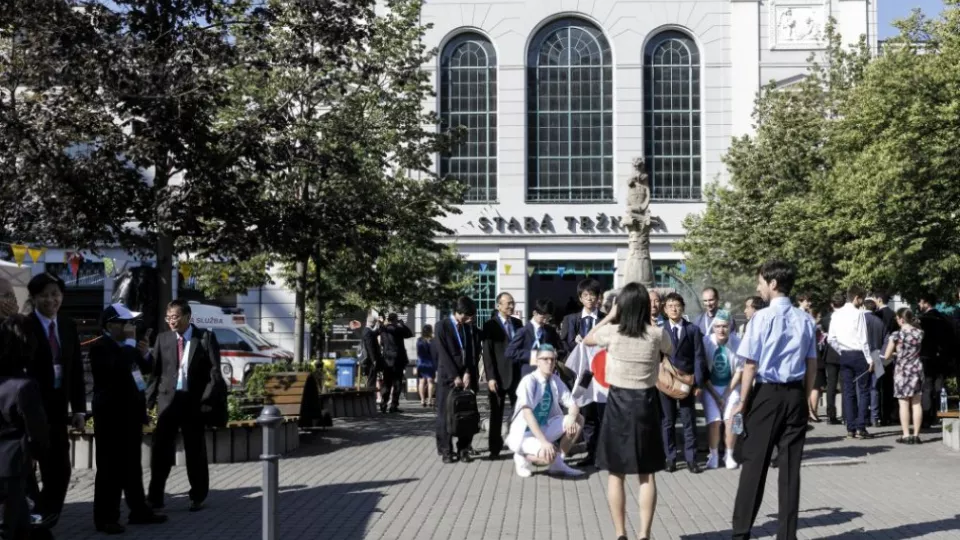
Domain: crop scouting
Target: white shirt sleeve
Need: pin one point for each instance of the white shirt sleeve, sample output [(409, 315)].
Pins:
[(566, 398)]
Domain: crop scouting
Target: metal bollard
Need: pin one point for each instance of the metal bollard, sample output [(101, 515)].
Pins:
[(269, 419)]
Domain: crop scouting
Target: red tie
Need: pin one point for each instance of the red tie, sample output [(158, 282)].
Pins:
[(54, 343), (180, 351)]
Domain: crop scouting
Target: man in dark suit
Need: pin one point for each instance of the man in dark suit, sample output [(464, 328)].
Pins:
[(831, 360), (936, 354), (503, 373), (372, 357), (888, 402), (456, 345), (57, 367), (395, 360), (186, 381), (574, 328), (23, 423), (120, 410), (688, 357), (536, 332)]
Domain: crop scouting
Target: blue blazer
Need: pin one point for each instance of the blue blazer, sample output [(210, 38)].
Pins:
[(688, 354), (519, 348)]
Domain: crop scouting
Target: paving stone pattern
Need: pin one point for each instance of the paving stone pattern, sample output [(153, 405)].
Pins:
[(380, 478)]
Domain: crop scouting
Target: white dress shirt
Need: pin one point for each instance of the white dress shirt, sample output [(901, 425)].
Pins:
[(848, 331), (679, 327), (45, 322)]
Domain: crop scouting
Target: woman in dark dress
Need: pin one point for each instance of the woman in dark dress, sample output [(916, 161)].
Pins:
[(426, 370), (630, 438)]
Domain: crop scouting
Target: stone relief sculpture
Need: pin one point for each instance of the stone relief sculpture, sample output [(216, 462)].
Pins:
[(638, 223), (795, 25)]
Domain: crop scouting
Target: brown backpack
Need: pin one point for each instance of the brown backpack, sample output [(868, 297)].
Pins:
[(672, 383)]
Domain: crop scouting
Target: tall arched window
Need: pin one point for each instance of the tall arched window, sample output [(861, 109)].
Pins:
[(672, 116), (570, 114), (468, 98)]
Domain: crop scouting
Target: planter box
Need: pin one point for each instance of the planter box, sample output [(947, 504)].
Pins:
[(238, 442), (951, 433), (350, 403)]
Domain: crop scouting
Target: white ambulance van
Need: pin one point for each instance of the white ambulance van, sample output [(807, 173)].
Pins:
[(241, 347)]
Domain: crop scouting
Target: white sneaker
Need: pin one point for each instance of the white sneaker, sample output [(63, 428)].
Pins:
[(713, 462), (562, 469), (522, 466), (731, 464)]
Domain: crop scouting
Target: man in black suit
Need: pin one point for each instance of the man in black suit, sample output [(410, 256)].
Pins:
[(936, 354), (395, 360), (503, 373), (120, 410), (536, 332), (888, 402), (23, 423), (372, 356), (456, 345), (186, 382), (57, 367), (688, 357), (574, 328)]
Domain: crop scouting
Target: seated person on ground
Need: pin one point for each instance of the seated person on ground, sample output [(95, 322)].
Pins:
[(538, 423)]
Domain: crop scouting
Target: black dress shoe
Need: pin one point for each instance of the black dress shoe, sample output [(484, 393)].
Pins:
[(835, 421), (465, 456), (146, 518), (196, 506), (671, 466), (694, 468), (110, 528), (862, 434), (448, 459), (493, 456), (588, 461)]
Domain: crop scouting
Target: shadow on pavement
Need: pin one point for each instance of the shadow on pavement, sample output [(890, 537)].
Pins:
[(858, 451), (833, 516), (333, 512), (348, 433), (900, 532)]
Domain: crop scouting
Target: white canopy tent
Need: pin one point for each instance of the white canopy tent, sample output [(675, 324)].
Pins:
[(19, 276)]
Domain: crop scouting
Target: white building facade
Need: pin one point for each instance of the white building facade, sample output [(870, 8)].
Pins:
[(559, 98)]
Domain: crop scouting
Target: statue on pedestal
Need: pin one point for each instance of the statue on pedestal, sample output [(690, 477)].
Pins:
[(638, 223)]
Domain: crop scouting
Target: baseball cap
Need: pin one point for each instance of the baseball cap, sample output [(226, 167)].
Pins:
[(118, 312)]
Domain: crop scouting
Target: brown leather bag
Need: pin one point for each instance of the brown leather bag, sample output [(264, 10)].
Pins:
[(672, 383)]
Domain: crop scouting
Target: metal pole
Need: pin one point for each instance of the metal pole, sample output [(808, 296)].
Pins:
[(269, 419)]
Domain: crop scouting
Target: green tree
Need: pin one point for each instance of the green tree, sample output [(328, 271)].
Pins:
[(339, 176), (774, 202)]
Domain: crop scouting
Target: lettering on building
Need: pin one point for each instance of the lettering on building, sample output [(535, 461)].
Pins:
[(601, 223)]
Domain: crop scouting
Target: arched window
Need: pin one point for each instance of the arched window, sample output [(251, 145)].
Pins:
[(672, 116), (468, 98), (569, 114)]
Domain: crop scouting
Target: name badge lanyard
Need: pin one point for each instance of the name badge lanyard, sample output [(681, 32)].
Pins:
[(457, 332)]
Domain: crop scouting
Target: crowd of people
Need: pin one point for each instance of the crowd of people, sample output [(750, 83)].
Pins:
[(765, 378), (43, 394)]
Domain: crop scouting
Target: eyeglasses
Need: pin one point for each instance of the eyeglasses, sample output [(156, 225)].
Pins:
[(173, 318)]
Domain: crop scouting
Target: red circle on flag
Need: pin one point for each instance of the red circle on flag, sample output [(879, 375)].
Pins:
[(599, 368)]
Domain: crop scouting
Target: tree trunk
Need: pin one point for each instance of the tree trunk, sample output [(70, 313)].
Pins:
[(300, 311), (164, 276)]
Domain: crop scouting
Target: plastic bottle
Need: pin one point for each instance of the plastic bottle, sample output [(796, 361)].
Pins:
[(738, 423), (943, 400)]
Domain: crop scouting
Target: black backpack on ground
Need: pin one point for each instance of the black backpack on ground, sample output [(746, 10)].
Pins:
[(463, 416)]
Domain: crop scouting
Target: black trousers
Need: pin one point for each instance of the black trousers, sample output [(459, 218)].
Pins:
[(856, 390), (498, 404), (889, 410), (16, 513), (444, 439), (930, 397), (592, 419), (181, 416), (118, 470), (777, 418), (833, 376), (55, 471), (391, 387), (371, 373), (688, 417)]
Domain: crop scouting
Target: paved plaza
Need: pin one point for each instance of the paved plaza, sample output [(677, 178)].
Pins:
[(380, 478)]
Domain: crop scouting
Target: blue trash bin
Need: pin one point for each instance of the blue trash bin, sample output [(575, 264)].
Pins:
[(346, 371)]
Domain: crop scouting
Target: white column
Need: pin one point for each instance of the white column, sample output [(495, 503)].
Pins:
[(852, 19), (745, 62), (515, 282)]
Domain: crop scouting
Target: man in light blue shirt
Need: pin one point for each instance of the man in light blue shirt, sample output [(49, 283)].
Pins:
[(780, 353)]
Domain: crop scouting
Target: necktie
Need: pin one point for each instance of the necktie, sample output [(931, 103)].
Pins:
[(180, 351), (54, 343), (463, 339), (508, 329), (586, 326), (676, 333), (539, 337)]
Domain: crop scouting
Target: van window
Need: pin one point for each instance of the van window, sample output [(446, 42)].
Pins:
[(230, 340), (255, 338)]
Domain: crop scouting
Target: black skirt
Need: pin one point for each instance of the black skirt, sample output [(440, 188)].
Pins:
[(630, 438)]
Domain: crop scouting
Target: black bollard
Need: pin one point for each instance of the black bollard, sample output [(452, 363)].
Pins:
[(270, 418)]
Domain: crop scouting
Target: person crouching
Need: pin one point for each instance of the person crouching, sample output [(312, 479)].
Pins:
[(538, 423), (119, 411)]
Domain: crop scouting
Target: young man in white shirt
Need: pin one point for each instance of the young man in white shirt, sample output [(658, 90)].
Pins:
[(848, 336), (538, 422)]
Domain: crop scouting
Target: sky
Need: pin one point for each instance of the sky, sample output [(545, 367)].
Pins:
[(891, 10)]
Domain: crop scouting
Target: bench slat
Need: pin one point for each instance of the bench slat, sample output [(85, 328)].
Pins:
[(283, 400)]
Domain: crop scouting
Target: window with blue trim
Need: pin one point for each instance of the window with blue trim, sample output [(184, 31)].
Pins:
[(570, 114), (468, 98)]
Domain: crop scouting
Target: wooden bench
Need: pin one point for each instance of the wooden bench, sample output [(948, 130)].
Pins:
[(296, 395), (949, 414)]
